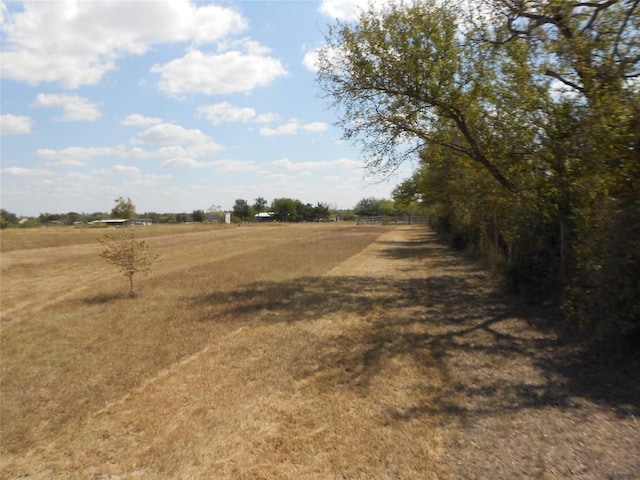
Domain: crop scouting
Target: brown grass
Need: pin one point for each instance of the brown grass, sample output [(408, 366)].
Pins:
[(62, 236), (302, 351)]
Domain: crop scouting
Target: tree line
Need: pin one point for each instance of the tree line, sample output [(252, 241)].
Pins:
[(525, 119), (280, 209)]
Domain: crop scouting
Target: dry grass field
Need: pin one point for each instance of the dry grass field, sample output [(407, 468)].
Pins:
[(314, 351)]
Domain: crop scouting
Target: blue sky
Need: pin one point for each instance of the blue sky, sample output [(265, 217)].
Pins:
[(178, 105)]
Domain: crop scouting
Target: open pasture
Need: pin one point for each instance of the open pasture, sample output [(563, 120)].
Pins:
[(291, 351)]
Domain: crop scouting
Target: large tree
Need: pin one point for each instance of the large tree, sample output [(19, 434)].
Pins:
[(124, 208), (242, 209), (525, 118), (260, 205), (286, 209), (407, 78)]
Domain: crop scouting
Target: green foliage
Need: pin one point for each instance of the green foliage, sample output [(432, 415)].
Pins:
[(7, 218), (372, 206), (292, 210), (198, 216), (242, 210), (124, 208), (131, 256), (285, 209), (526, 118), (260, 205)]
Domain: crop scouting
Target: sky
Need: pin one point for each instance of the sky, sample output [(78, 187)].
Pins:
[(177, 105)]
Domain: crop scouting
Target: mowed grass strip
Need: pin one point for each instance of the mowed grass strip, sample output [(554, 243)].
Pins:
[(64, 363), (307, 352)]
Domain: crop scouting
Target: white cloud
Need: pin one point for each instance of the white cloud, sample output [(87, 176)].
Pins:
[(310, 60), (171, 134), (15, 124), (350, 9), (3, 12), (224, 166), (182, 162), (173, 142), (343, 9), (226, 112), (315, 127), (228, 165), (214, 74), (75, 108), (76, 43), (203, 149), (123, 170), (137, 120), (343, 163), (284, 129), (293, 126), (25, 172), (267, 117), (75, 156)]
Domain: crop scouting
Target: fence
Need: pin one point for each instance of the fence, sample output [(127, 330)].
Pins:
[(391, 220)]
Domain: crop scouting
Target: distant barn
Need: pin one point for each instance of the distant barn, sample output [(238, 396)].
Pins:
[(219, 217), (120, 222), (264, 217)]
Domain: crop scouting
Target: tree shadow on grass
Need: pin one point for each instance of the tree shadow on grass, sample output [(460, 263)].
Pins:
[(474, 336)]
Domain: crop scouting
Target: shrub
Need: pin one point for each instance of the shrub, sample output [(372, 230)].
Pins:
[(127, 253)]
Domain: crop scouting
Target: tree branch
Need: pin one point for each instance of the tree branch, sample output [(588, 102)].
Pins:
[(550, 73)]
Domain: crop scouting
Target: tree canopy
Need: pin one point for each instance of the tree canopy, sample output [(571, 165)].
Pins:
[(524, 117), (124, 208)]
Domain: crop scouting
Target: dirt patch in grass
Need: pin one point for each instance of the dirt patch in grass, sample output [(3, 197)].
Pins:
[(309, 352)]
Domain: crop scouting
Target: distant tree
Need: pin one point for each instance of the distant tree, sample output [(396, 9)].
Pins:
[(7, 218), (71, 217), (181, 218), (242, 209), (45, 218), (96, 216), (306, 212), (128, 254), (285, 209), (198, 216), (321, 211), (260, 205), (123, 209), (374, 206)]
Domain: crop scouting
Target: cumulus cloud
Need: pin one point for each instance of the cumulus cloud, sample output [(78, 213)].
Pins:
[(137, 120), (123, 170), (343, 9), (310, 60), (75, 156), (344, 163), (267, 117), (315, 127), (182, 162), (226, 112), (218, 73), (25, 172), (229, 165), (91, 36), (171, 134), (74, 107), (349, 9), (15, 124), (293, 126), (161, 141), (223, 166)]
